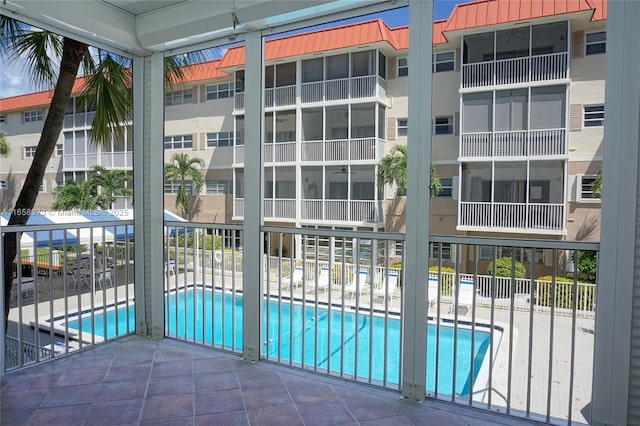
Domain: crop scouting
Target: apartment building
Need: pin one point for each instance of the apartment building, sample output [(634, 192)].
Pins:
[(518, 113)]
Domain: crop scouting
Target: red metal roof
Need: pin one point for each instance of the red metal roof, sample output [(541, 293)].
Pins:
[(490, 12), (204, 71)]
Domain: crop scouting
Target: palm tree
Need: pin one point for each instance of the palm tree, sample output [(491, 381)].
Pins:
[(79, 196), (393, 169), (55, 61), (110, 183), (4, 145), (596, 186), (180, 169)]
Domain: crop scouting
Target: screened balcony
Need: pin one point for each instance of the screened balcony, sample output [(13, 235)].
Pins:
[(110, 160), (516, 56)]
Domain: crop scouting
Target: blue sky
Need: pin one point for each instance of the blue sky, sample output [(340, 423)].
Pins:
[(15, 81)]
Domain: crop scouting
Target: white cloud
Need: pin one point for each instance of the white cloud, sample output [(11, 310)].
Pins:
[(14, 80)]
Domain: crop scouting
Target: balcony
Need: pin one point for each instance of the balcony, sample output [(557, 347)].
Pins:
[(279, 152), (278, 208), (110, 160), (279, 96), (521, 143), (90, 324), (512, 217), (343, 211), (78, 120), (343, 150), (549, 67), (370, 86)]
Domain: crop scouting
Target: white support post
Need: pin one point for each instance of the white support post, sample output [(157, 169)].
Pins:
[(253, 169), (617, 359), (414, 328), (148, 125)]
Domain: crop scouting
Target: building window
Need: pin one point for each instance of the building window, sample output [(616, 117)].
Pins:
[(596, 43), (42, 188), (59, 149), (219, 91), (219, 187), (178, 142), (444, 61), (434, 251), (3, 118), (172, 187), (32, 116), (447, 187), (443, 125), (178, 97), (403, 67), (402, 126), (585, 186), (594, 116), (29, 151), (219, 139), (3, 184)]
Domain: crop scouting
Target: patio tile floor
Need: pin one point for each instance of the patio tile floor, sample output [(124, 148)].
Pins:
[(137, 380)]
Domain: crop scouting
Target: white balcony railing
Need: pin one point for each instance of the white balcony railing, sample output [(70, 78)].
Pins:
[(515, 216), (518, 143), (279, 96), (280, 152), (238, 207), (343, 150), (553, 66), (78, 120), (368, 86), (238, 102), (343, 210), (238, 154), (110, 160), (280, 208)]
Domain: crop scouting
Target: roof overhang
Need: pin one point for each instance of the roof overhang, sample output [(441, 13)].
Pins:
[(140, 27)]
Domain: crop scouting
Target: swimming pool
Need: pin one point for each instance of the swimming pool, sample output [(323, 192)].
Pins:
[(336, 341)]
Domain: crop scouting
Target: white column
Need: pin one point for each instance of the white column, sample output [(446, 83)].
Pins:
[(148, 159), (617, 360), (253, 206), (414, 328)]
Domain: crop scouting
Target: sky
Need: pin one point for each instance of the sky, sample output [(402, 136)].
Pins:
[(14, 79)]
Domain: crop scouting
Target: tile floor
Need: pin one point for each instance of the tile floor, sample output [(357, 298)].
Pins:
[(140, 381)]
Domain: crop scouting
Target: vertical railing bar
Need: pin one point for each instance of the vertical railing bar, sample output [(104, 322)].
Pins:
[(175, 280), (104, 289), (316, 259), (194, 285), (458, 284), (291, 290), (79, 300), (19, 297), (51, 272), (511, 320), (404, 246), (92, 269), (532, 293), (64, 288), (472, 375), (492, 283), (551, 331), (343, 273), (304, 300), (329, 292), (34, 273), (576, 256), (356, 261), (280, 297), (372, 277), (234, 254), (439, 286), (386, 314), (267, 311)]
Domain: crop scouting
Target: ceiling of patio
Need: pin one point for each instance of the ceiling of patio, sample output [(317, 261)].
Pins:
[(143, 26)]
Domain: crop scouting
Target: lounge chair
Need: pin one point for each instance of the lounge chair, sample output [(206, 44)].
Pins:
[(359, 284), (170, 268), (294, 280), (323, 282), (465, 296), (384, 288), (433, 290)]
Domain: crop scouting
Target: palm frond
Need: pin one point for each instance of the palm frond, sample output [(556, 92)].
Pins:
[(39, 51)]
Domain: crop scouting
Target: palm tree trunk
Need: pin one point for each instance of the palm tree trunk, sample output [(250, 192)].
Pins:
[(72, 54)]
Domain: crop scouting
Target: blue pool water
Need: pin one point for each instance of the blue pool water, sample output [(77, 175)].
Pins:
[(337, 333)]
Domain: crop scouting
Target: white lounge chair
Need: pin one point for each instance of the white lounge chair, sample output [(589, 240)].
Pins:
[(465, 296), (170, 268), (359, 284), (295, 280), (27, 287), (323, 282), (384, 288), (433, 290)]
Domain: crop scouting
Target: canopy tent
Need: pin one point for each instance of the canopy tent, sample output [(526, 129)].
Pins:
[(82, 235)]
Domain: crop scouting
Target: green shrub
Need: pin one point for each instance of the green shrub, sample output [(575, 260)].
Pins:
[(503, 268), (447, 279), (588, 264)]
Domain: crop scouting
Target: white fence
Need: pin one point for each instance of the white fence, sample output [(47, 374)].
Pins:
[(538, 216), (518, 143)]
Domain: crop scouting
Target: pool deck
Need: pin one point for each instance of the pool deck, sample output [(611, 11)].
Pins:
[(505, 383)]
